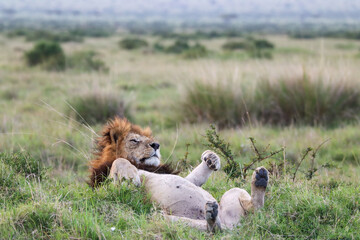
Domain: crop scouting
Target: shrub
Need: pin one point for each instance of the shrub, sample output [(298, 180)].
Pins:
[(48, 54), (132, 43), (197, 51), (235, 45), (263, 44), (86, 61), (98, 107), (256, 48), (179, 46)]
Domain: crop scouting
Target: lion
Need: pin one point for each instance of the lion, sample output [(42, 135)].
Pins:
[(126, 151)]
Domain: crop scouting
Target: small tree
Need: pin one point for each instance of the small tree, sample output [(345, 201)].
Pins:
[(132, 43), (48, 54)]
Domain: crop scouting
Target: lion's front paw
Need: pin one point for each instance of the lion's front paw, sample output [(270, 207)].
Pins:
[(123, 169), (211, 213), (211, 159), (260, 177)]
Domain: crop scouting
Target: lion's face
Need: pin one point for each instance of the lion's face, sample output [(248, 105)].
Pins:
[(142, 149), (121, 139)]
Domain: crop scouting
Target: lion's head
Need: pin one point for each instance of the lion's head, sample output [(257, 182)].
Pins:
[(121, 139)]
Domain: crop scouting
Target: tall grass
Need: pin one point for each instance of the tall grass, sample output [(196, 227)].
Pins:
[(86, 61), (219, 103), (311, 100), (98, 107), (299, 99)]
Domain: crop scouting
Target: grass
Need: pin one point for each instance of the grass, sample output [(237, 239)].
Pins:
[(98, 107), (304, 99), (59, 205), (85, 61)]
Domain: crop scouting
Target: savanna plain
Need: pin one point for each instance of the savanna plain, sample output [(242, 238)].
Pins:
[(297, 101)]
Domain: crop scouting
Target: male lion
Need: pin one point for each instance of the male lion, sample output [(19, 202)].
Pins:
[(127, 151)]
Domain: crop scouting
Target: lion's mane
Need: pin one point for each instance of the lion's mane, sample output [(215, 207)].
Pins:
[(107, 152)]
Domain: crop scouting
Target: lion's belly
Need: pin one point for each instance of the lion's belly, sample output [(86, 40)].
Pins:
[(177, 196)]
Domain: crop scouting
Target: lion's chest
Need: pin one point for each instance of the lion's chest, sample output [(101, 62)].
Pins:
[(177, 196)]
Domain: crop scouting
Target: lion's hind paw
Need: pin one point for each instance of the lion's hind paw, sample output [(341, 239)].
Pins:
[(211, 213), (211, 159), (261, 177)]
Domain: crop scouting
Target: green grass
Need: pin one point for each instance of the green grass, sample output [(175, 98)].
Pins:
[(50, 209)]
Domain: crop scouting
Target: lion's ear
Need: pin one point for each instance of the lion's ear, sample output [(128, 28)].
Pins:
[(114, 136)]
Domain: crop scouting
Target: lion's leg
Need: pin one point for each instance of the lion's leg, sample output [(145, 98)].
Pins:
[(210, 162), (237, 202), (211, 222), (123, 169)]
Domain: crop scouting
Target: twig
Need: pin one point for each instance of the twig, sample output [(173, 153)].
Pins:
[(302, 159), (259, 157)]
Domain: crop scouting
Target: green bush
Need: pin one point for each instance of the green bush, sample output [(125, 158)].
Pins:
[(98, 107), (86, 61), (196, 51), (256, 48), (133, 43), (50, 55), (263, 44), (178, 47), (235, 45), (298, 100), (182, 46)]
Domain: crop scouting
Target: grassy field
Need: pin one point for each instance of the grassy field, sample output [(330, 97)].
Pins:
[(44, 194)]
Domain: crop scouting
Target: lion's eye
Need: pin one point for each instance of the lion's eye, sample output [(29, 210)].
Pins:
[(134, 140)]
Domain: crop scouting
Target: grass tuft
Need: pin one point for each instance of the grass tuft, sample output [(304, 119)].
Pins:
[(98, 107), (86, 61), (303, 100), (307, 100)]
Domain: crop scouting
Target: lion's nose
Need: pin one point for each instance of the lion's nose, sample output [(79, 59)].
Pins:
[(155, 146)]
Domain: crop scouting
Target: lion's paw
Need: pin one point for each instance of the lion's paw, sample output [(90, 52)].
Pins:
[(211, 159), (261, 177), (211, 213), (123, 169)]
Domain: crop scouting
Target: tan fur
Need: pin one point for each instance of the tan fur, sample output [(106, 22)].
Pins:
[(125, 151)]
